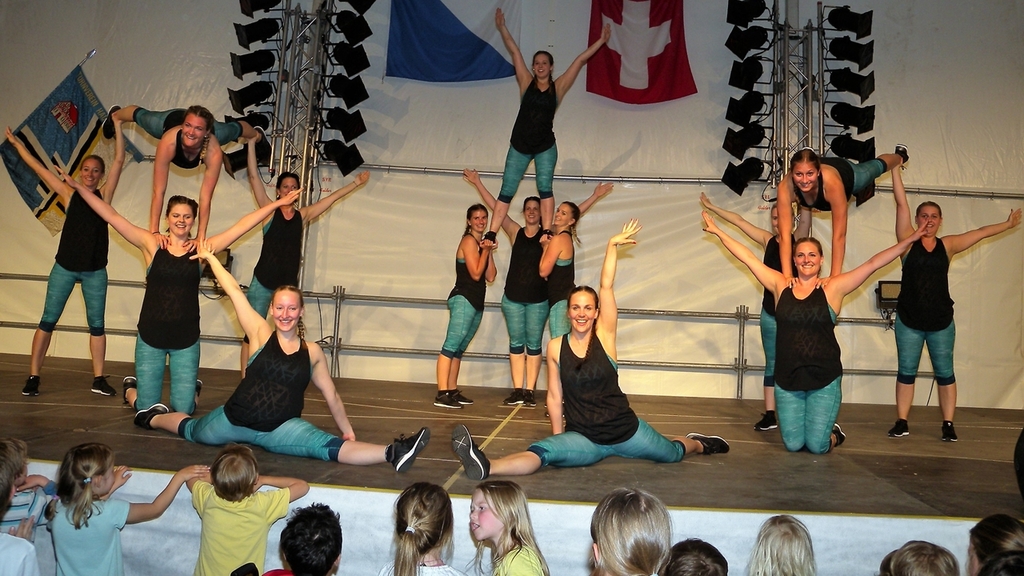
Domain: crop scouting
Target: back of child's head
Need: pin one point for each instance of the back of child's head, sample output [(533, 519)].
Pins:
[(783, 547), (508, 503), (13, 453), (633, 533), (423, 522), (919, 558), (695, 557), (311, 540), (80, 468), (1003, 564), (234, 473)]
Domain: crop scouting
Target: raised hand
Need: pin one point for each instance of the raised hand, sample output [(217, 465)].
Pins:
[(628, 230), (470, 175), (362, 178), (709, 222)]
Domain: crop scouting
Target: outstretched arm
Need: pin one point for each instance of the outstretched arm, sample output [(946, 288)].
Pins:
[(510, 226), (523, 75), (297, 488), (214, 161), (608, 318), (252, 170), (566, 80), (843, 284), (144, 512), (836, 196), (161, 169), (785, 204), (600, 191), (904, 225), (325, 384), (253, 324), (114, 175), (960, 242), (770, 279), (311, 212), (756, 234), (248, 222), (52, 181)]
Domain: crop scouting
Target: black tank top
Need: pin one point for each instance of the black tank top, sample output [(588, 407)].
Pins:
[(807, 355), (272, 391), (562, 279), (182, 161), (523, 283), (845, 174), (534, 131), (84, 240), (472, 290), (924, 302), (773, 260), (170, 308), (281, 253), (594, 404)]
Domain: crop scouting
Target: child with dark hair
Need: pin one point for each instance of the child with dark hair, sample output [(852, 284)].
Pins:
[(695, 557), (17, 554), (311, 542)]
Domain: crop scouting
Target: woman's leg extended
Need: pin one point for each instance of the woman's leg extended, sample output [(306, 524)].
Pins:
[(184, 369), (213, 429), (544, 164), (822, 410), (297, 437), (791, 408), (568, 449), (647, 444)]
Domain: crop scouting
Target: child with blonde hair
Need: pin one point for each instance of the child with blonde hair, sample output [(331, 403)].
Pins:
[(32, 492), (632, 534), (423, 533), (499, 518)]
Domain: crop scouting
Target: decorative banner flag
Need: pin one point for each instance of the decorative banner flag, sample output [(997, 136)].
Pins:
[(450, 40), (62, 131), (645, 59)]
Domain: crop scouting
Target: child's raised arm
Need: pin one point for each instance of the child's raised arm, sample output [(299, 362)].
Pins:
[(145, 512), (296, 488)]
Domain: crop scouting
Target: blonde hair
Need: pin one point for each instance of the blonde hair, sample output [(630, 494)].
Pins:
[(783, 547), (423, 522), (508, 504), (919, 558), (81, 466), (234, 473), (633, 533)]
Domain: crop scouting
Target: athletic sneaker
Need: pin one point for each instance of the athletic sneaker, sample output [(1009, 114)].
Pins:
[(528, 400), (144, 417), (445, 400), (767, 422), (840, 435), (108, 124), (403, 451), (948, 433), (515, 398), (711, 444), (100, 386), (474, 462), (900, 429), (31, 386), (458, 397), (128, 382), (902, 152)]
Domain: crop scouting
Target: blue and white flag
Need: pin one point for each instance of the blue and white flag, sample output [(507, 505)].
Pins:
[(450, 40), (62, 131)]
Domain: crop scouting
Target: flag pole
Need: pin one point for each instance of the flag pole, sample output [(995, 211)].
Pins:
[(88, 55)]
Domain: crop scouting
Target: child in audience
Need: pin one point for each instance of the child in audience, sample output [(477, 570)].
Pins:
[(918, 558), (423, 533), (695, 557), (783, 548), (311, 542), (31, 494), (990, 536), (86, 524), (236, 516), (499, 518), (17, 554), (632, 533)]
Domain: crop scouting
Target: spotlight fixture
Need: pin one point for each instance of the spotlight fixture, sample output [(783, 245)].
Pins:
[(252, 95), (255, 119), (845, 49), (737, 143), (350, 124), (744, 74), (740, 111), (237, 160), (847, 115), (258, 62), (351, 90), (738, 177), (845, 146), (347, 157), (352, 26), (847, 81), (248, 7), (742, 12), (740, 41), (259, 31), (352, 58), (846, 20)]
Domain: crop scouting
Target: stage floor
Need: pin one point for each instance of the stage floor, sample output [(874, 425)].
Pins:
[(917, 475)]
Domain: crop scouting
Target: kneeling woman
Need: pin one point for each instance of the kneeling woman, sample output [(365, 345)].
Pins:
[(266, 408), (808, 366), (582, 372)]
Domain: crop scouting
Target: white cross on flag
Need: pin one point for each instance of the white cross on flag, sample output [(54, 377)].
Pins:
[(645, 59)]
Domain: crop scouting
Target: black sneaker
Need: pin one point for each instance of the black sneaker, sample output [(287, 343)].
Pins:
[(948, 433), (108, 124), (837, 430), (767, 422), (144, 417), (31, 386), (403, 451), (445, 400), (100, 386), (901, 151), (711, 444), (515, 398), (458, 397), (900, 429), (128, 382), (528, 400), (475, 463)]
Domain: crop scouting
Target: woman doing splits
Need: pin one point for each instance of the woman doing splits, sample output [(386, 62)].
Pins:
[(924, 310), (266, 408), (826, 184), (81, 258), (533, 136), (808, 366), (582, 373), (770, 242)]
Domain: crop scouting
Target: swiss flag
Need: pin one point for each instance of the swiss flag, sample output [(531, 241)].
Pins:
[(645, 59)]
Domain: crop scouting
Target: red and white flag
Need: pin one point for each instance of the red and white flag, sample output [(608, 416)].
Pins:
[(645, 60)]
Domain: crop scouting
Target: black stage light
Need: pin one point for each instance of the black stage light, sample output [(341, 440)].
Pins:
[(847, 20), (846, 80), (258, 62), (738, 177), (255, 119), (360, 6), (350, 124), (251, 95), (351, 90), (860, 54), (239, 159), (352, 26), (740, 111), (737, 143), (742, 12), (352, 59), (346, 157), (259, 31), (848, 115), (845, 146), (744, 74), (742, 41), (250, 6)]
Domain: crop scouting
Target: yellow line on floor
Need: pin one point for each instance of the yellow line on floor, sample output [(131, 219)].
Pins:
[(482, 445)]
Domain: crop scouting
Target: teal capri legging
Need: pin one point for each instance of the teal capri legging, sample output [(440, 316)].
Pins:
[(910, 342), (149, 372), (866, 172), (572, 449), (558, 319), (58, 289), (463, 322), (295, 437), (515, 167), (156, 123), (806, 417), (769, 330), (525, 323)]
